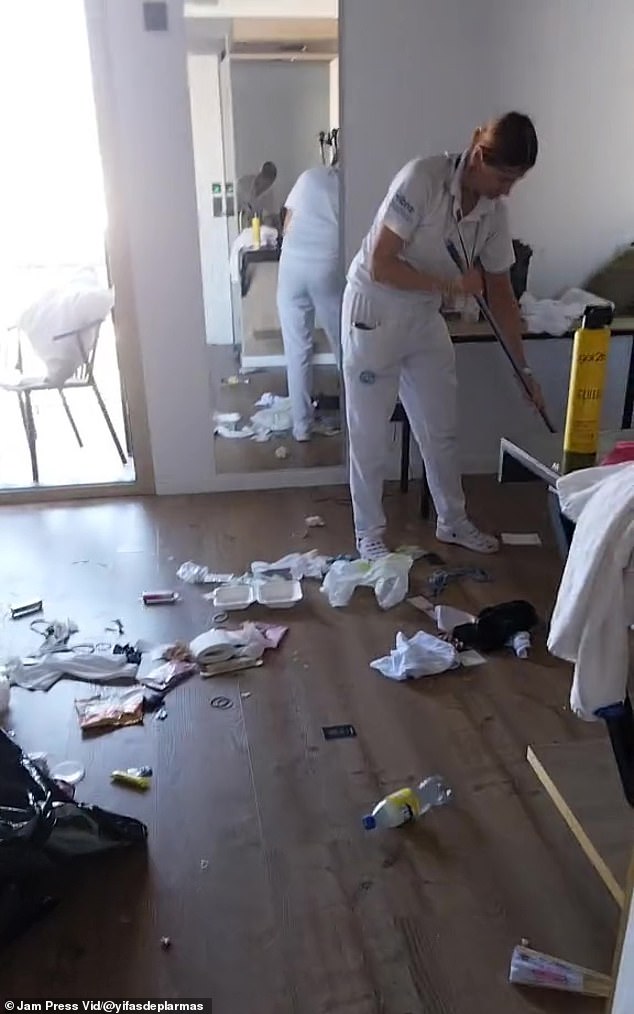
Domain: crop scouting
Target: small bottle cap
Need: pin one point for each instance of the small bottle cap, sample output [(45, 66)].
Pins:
[(369, 822)]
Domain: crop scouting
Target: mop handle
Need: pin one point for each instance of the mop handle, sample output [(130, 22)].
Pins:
[(455, 256)]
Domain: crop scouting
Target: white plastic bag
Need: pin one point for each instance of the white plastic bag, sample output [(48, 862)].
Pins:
[(70, 308), (389, 577), (300, 565), (420, 655)]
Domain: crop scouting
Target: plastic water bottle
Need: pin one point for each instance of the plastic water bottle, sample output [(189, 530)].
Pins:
[(407, 804), (520, 643), (5, 694)]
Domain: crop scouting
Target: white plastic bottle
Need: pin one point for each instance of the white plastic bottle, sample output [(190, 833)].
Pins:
[(520, 643), (407, 804)]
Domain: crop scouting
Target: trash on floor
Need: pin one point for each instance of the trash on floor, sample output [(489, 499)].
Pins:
[(26, 609), (56, 634), (448, 617), (470, 658), (314, 521), (107, 711), (533, 968), (227, 420), (196, 573), (5, 694), (204, 864), (441, 578), (245, 695), (520, 643), (297, 565), (230, 666), (521, 539), (346, 731), (423, 605), (413, 657), (389, 577), (229, 433), (221, 703), (166, 942), (116, 627), (131, 778), (152, 700), (165, 677), (276, 593), (160, 598), (221, 645), (408, 804), (161, 714), (91, 668), (281, 452), (495, 625), (71, 772), (234, 380), (276, 418)]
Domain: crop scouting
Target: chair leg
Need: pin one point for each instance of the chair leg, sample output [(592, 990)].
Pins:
[(113, 432), (70, 417), (29, 428)]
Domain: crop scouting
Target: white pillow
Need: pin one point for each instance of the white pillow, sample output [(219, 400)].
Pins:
[(69, 308)]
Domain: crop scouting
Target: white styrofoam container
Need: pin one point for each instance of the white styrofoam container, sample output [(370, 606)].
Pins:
[(279, 593), (233, 596)]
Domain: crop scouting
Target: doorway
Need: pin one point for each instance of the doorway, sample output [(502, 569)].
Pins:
[(265, 106), (70, 430)]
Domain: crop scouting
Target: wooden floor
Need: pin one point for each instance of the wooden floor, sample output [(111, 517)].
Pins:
[(258, 869), (249, 456)]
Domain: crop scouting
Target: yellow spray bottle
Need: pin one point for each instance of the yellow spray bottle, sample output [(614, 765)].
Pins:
[(256, 232), (587, 383)]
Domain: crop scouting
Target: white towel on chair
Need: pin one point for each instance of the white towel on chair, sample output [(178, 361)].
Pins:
[(590, 621)]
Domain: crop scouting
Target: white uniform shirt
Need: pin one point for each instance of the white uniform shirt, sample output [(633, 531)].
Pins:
[(313, 230), (423, 207)]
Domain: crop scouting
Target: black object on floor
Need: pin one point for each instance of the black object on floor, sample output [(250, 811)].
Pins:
[(339, 731), (494, 625), (41, 830)]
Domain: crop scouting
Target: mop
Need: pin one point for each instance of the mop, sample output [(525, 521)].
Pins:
[(455, 256)]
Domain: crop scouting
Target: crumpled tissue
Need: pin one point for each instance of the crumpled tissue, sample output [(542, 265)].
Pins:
[(389, 577), (420, 655)]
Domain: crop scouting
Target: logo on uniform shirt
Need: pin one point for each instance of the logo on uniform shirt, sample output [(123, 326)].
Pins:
[(402, 204), (367, 377)]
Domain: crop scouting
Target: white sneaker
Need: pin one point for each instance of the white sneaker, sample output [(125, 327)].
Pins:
[(466, 534), (372, 547), (302, 436)]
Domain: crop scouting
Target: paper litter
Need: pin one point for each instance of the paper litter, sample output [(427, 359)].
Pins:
[(314, 521), (521, 539), (281, 453), (249, 641), (420, 655), (557, 316)]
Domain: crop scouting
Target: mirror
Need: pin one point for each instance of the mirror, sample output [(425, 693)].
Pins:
[(264, 95)]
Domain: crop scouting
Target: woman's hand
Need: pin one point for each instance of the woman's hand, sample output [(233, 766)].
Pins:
[(469, 284)]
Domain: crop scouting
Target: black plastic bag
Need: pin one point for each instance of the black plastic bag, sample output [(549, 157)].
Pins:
[(495, 625), (40, 829)]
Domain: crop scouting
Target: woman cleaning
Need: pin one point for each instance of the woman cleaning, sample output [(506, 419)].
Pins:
[(310, 283), (395, 342)]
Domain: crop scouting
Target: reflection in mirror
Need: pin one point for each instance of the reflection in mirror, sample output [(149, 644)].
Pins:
[(264, 102)]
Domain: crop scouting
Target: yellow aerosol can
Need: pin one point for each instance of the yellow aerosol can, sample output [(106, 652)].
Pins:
[(587, 383)]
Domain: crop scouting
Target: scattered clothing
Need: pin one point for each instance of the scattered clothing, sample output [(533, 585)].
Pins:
[(595, 603), (557, 316)]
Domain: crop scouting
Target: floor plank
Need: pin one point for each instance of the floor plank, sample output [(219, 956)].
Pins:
[(299, 909)]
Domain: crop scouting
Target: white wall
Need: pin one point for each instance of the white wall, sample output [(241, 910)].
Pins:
[(333, 70), (204, 93), (147, 105), (278, 111), (420, 82)]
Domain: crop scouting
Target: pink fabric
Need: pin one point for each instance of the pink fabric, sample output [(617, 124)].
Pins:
[(621, 452)]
